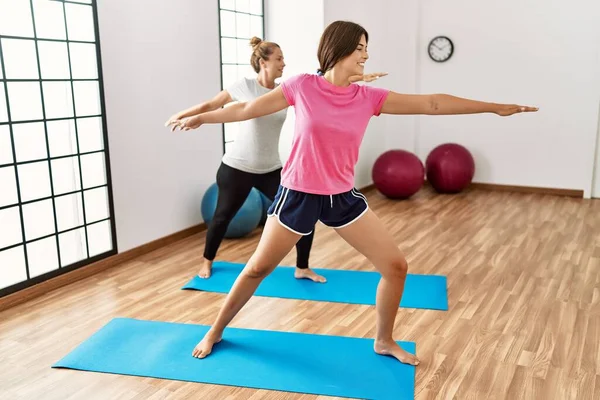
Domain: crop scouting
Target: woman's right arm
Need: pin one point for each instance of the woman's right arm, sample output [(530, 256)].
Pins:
[(213, 104), (266, 104)]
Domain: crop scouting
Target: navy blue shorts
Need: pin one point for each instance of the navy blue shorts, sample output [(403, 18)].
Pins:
[(299, 211)]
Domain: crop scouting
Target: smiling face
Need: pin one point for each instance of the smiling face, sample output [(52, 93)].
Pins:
[(274, 64), (267, 57), (343, 45), (354, 64)]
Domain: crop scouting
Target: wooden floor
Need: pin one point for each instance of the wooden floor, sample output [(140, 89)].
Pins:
[(524, 292)]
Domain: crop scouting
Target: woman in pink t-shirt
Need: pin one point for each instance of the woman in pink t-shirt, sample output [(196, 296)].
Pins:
[(317, 179)]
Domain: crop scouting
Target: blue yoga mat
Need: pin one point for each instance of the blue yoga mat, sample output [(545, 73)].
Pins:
[(342, 286), (290, 362)]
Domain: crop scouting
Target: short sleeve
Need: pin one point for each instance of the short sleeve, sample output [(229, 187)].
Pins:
[(238, 89), (376, 97), (291, 87)]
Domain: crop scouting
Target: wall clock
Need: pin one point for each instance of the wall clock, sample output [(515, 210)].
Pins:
[(440, 49)]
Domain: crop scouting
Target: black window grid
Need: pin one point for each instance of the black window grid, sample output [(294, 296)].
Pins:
[(262, 16), (30, 281)]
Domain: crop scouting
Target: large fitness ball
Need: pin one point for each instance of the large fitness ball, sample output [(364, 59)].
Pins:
[(398, 174), (245, 220), (450, 168)]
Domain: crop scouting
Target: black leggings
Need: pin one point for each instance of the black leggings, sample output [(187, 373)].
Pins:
[(234, 187)]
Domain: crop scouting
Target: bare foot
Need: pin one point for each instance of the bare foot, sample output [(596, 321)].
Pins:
[(391, 348), (206, 269), (204, 347), (309, 274)]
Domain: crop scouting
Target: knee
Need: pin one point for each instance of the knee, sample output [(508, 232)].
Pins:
[(256, 270), (398, 268)]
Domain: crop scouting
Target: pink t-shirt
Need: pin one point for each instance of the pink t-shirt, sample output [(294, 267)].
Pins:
[(330, 125)]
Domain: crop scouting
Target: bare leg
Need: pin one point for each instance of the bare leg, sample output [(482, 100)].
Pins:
[(369, 236), (275, 243)]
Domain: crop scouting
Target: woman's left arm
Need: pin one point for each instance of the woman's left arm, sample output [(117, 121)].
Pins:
[(444, 104)]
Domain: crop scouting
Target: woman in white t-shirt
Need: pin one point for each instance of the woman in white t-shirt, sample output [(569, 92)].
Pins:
[(253, 158)]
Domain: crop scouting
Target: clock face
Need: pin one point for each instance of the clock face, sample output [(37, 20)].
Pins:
[(440, 49)]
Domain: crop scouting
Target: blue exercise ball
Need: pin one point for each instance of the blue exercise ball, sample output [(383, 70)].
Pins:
[(245, 220)]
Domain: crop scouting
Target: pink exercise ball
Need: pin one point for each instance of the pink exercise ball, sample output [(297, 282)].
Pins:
[(398, 174), (450, 168)]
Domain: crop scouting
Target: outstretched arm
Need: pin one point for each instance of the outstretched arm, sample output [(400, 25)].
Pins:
[(264, 105), (216, 102), (444, 104)]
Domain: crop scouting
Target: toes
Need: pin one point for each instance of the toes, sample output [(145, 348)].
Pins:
[(415, 361), (200, 353)]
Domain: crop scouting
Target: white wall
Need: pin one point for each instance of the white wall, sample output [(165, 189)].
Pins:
[(296, 25), (596, 185), (543, 53), (158, 58), (154, 66)]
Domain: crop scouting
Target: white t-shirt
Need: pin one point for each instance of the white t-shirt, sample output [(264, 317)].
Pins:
[(256, 146)]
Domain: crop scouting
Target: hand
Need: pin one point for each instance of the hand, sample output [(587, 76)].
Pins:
[(510, 109), (367, 77), (189, 123), (173, 121)]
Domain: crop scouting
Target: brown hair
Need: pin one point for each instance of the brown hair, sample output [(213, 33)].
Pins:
[(260, 50), (338, 40)]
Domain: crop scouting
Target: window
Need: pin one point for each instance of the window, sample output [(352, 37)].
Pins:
[(239, 21), (56, 211)]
